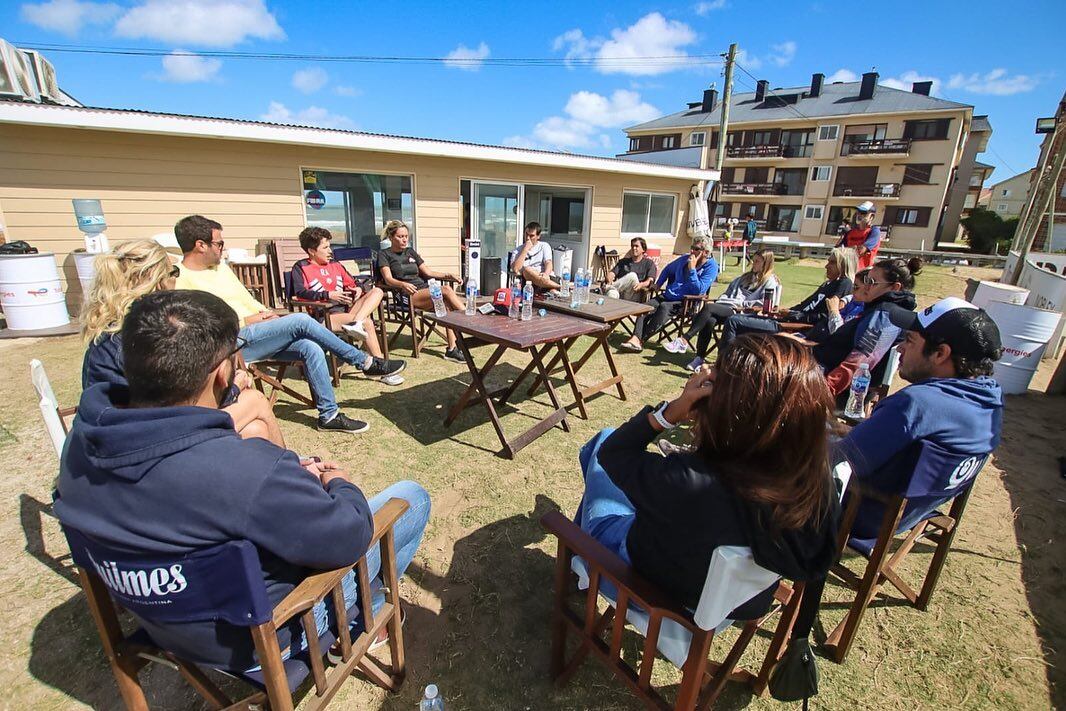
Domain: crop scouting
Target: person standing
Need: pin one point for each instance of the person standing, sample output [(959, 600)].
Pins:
[(864, 236), (751, 228)]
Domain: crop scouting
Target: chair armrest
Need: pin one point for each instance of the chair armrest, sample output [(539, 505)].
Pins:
[(314, 588), (792, 327)]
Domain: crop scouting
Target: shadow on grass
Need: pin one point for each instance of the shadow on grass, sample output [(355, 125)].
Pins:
[(1031, 444), (32, 515)]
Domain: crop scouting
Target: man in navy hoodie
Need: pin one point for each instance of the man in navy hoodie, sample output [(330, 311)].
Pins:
[(157, 468), (953, 402)]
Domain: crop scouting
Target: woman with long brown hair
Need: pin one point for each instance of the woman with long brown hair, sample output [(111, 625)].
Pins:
[(759, 475)]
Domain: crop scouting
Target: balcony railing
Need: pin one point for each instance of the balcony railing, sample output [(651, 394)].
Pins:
[(754, 151), (873, 190), (753, 188), (882, 147)]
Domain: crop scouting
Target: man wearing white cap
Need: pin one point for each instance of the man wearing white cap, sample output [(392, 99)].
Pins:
[(952, 402), (864, 236)]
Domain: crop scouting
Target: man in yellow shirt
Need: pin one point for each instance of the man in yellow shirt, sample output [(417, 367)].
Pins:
[(296, 337)]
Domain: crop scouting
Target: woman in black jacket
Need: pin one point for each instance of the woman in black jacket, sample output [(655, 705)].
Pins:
[(758, 476)]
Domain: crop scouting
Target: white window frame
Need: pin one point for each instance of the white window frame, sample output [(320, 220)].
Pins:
[(808, 208), (828, 175), (634, 143), (907, 211), (647, 215), (1001, 207), (835, 132), (692, 138)]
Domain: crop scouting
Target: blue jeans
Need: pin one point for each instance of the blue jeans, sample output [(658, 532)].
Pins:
[(740, 324), (298, 337), (605, 513)]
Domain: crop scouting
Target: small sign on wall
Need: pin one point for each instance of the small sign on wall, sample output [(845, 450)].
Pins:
[(315, 199)]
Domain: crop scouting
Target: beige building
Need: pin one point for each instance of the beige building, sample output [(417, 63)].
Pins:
[(263, 180), (1009, 196), (800, 158)]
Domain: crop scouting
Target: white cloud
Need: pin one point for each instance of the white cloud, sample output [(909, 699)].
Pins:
[(748, 61), (186, 67), (996, 82), (587, 114), (780, 55), (462, 57), (208, 23), (311, 116), (69, 16), (905, 81), (628, 49), (704, 8), (844, 75), (309, 80), (346, 91)]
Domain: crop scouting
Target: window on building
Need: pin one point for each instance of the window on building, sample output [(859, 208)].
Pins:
[(648, 213), (797, 144), (634, 143), (908, 216), (1005, 192), (669, 142), (357, 205), (790, 181), (926, 129), (697, 138), (813, 212), (1062, 193), (783, 218), (917, 173), (1002, 207), (762, 138), (828, 133), (821, 173)]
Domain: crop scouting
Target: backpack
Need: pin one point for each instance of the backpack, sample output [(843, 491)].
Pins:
[(17, 247)]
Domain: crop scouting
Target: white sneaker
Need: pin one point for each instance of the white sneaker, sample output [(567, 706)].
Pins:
[(356, 329), (393, 379), (695, 364), (678, 345)]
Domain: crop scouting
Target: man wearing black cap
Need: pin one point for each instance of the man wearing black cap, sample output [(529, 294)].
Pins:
[(952, 402)]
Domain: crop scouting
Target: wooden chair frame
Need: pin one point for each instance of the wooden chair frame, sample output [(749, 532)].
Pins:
[(128, 658), (406, 317), (881, 567), (702, 679)]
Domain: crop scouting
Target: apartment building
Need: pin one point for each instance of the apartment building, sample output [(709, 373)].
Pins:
[(800, 158), (1008, 197)]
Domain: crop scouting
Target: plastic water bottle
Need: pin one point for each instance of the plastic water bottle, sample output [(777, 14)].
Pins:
[(516, 301), (575, 293), (564, 288), (471, 297), (579, 281), (431, 701), (856, 408), (437, 295), (527, 302)]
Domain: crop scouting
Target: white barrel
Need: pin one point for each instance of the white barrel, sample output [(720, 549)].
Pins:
[(1025, 331), (31, 292), (563, 261), (85, 262), (989, 291)]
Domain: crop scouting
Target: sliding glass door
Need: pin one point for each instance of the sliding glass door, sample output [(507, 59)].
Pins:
[(497, 219)]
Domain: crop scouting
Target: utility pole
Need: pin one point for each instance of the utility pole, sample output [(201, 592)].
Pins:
[(1041, 199), (723, 126)]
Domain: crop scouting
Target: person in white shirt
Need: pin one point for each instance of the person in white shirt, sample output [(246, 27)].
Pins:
[(534, 260)]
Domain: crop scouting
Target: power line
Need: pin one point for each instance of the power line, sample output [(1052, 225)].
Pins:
[(1002, 159), (608, 62), (784, 103)]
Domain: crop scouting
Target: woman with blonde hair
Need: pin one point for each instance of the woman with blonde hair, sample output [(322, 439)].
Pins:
[(747, 291), (130, 271)]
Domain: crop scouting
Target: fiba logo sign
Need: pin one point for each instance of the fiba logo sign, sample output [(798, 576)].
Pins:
[(966, 470)]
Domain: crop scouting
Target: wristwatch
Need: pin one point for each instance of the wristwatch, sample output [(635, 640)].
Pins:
[(657, 413)]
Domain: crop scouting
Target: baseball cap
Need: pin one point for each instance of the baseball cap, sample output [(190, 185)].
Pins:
[(866, 206), (969, 331)]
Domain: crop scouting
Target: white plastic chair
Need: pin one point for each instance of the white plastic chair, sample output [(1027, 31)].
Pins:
[(52, 414)]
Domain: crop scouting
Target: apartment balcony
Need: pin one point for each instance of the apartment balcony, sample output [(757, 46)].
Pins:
[(755, 152), (884, 191), (878, 148), (753, 189)]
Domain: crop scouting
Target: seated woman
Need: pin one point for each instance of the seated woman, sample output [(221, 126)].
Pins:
[(839, 275), (744, 292), (689, 275), (131, 270), (321, 278), (403, 268), (759, 475)]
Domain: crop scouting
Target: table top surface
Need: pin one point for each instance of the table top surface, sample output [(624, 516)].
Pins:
[(514, 333), (610, 310)]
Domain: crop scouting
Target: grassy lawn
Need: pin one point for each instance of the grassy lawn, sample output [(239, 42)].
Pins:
[(478, 591)]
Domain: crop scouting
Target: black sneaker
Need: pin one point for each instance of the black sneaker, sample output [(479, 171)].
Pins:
[(381, 368), (454, 355), (343, 423)]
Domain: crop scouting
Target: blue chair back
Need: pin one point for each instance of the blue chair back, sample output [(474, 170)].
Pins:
[(941, 473), (224, 582)]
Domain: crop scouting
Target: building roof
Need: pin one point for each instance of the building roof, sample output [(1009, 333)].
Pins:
[(836, 99), (1024, 173), (986, 166), (980, 123), (136, 121), (681, 157)]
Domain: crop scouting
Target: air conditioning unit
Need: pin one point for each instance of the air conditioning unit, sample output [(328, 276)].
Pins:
[(46, 76), (17, 78)]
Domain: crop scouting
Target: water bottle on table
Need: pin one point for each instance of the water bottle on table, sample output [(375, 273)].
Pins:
[(471, 297), (437, 295), (564, 289), (575, 294), (516, 301), (431, 700), (586, 282), (856, 407), (527, 302)]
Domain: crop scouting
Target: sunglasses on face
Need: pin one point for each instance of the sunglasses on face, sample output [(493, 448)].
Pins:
[(870, 281), (241, 343)]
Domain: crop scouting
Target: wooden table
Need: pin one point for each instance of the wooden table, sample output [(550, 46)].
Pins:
[(537, 337), (610, 313)]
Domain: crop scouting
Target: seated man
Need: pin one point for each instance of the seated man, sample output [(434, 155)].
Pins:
[(156, 468), (296, 337), (952, 402), (689, 275), (634, 274), (534, 260)]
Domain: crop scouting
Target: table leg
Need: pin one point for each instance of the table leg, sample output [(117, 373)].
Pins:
[(551, 366), (613, 368), (571, 377), (477, 385)]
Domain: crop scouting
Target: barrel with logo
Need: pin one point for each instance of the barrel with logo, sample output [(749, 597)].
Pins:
[(31, 293), (989, 291), (1025, 331)]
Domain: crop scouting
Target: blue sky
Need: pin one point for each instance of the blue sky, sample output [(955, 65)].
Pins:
[(1004, 60)]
